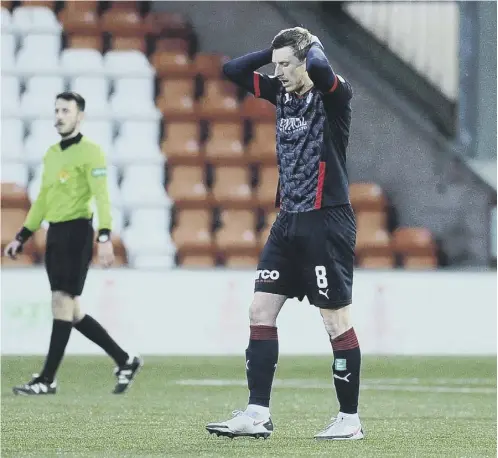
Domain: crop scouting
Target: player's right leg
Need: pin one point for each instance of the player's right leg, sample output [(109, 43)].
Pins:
[(274, 283)]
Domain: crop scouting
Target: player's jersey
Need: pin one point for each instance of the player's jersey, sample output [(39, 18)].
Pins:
[(312, 138)]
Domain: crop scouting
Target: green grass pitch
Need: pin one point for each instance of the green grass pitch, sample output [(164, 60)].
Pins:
[(410, 407)]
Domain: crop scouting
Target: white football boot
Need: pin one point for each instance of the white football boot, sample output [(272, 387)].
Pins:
[(243, 424), (343, 427)]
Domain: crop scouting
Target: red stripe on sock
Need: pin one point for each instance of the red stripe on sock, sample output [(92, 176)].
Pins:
[(346, 341), (264, 333)]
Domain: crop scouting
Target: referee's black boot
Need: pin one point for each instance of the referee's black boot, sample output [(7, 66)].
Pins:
[(126, 373), (37, 386)]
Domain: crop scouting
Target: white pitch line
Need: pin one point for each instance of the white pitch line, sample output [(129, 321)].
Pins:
[(367, 385)]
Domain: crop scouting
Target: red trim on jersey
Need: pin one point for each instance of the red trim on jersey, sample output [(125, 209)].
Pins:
[(257, 91), (319, 188), (334, 86)]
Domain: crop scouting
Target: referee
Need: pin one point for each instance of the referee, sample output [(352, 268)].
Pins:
[(74, 172)]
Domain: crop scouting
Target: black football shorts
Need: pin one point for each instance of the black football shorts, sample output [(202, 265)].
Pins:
[(310, 254)]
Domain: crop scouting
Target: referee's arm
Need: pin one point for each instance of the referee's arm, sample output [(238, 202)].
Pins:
[(97, 180)]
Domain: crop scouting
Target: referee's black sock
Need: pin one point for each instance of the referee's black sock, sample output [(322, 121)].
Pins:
[(261, 362), (346, 371), (61, 330), (94, 331)]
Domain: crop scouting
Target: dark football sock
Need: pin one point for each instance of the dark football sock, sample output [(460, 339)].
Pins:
[(261, 362), (61, 330), (94, 331), (346, 371)]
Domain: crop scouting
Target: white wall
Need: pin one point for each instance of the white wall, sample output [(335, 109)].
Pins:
[(186, 312)]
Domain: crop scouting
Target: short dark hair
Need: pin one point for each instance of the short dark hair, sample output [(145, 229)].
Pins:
[(298, 38), (80, 101)]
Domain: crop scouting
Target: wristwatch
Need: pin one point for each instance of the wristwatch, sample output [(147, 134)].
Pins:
[(104, 236)]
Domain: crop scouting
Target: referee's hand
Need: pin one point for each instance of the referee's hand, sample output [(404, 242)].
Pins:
[(105, 251), (13, 249)]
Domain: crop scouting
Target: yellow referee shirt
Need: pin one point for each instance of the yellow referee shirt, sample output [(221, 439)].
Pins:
[(74, 172)]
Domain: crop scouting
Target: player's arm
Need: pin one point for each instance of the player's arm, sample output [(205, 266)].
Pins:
[(242, 71), (36, 213), (323, 76), (97, 179)]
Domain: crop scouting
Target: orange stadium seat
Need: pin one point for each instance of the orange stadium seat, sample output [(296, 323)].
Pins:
[(173, 25), (371, 219), (416, 247), (267, 188), (122, 22), (77, 22), (193, 260), (237, 234), (373, 242), (181, 145), (23, 260), (120, 256), (81, 6), (259, 110), (126, 5), (12, 221), (192, 233), (427, 262), (86, 42), (232, 187), (172, 64), (173, 45), (14, 196), (187, 187), (128, 43), (6, 4), (241, 261), (224, 144), (209, 65), (176, 99), (219, 101), (262, 147), (367, 196), (48, 3), (378, 262)]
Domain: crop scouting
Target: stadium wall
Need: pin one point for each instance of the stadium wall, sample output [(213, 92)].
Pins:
[(185, 312)]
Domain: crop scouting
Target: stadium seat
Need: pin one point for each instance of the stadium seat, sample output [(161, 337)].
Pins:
[(182, 145), (50, 4), (420, 262), (263, 235), (117, 219), (266, 190), (193, 260), (124, 107), (100, 132), (241, 261), (373, 242), (258, 110), (173, 44), (12, 221), (23, 260), (237, 234), (77, 62), (82, 6), (262, 148), (219, 101), (12, 139), (38, 56), (119, 43), (377, 262), (7, 26), (120, 254), (49, 84), (13, 192), (122, 22), (209, 65), (10, 96), (176, 100), (224, 144), (139, 87), (42, 135), (147, 217), (168, 25), (367, 196), (172, 64), (95, 90), (127, 63), (192, 232), (35, 20), (85, 41), (16, 173), (371, 219), (187, 187), (79, 22), (232, 187), (8, 54), (137, 142), (142, 185), (416, 247)]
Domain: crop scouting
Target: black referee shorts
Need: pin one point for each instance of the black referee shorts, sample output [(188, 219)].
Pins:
[(310, 254), (68, 255)]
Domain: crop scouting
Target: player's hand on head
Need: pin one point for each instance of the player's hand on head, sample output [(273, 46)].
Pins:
[(105, 253), (315, 39), (13, 249)]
